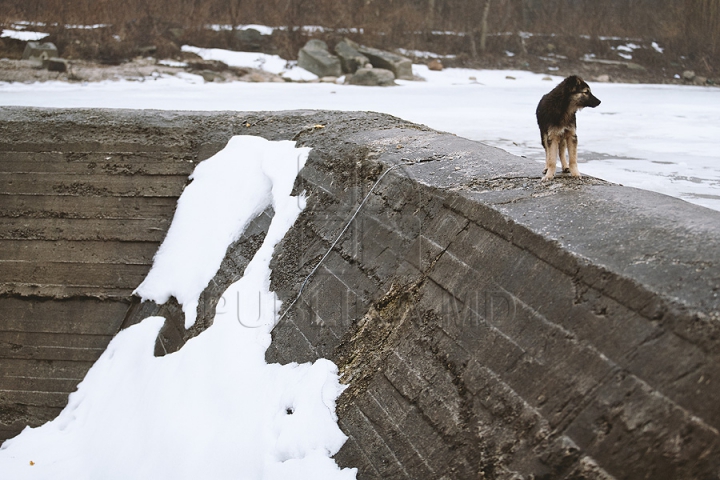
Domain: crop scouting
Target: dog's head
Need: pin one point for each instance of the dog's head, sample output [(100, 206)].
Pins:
[(579, 92)]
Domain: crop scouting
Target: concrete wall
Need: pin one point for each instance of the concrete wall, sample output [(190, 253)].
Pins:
[(487, 326)]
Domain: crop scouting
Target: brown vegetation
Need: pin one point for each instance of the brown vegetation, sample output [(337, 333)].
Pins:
[(691, 28)]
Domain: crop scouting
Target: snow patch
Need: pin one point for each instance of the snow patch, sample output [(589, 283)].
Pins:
[(24, 35), (261, 61), (227, 192)]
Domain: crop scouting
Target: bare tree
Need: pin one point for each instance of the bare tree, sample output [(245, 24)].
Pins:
[(484, 26)]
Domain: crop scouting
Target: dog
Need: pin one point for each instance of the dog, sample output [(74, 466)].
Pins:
[(556, 118)]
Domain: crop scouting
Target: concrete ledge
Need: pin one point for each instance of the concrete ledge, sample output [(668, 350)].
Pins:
[(487, 325)]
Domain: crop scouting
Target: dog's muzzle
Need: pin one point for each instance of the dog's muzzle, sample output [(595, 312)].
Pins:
[(592, 101)]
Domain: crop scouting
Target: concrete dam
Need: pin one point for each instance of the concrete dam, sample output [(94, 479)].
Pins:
[(486, 325)]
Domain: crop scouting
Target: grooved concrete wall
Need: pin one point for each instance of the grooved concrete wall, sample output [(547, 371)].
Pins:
[(85, 201), (487, 326)]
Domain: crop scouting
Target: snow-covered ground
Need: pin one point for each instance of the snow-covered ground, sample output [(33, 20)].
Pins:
[(214, 409), (656, 137)]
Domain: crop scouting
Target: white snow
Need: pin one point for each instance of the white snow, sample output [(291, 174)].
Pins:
[(171, 63), (214, 409), (226, 193), (262, 61), (422, 54), (23, 35), (263, 29)]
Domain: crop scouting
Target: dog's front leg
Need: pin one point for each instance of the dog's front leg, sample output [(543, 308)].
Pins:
[(563, 159), (551, 154), (572, 142)]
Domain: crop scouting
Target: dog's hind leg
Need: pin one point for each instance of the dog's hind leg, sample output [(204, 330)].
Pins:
[(563, 147), (572, 142)]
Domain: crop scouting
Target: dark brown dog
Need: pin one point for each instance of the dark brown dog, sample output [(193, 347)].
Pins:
[(556, 119)]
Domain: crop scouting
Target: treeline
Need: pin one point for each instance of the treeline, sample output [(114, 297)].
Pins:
[(689, 26)]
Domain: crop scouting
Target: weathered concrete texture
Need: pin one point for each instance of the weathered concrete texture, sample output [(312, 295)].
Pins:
[(487, 326), (85, 200), (82, 216), (173, 335), (490, 325)]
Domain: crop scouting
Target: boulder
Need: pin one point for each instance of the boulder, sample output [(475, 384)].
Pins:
[(372, 77), (435, 65), (147, 50), (399, 65), (210, 76), (39, 51), (350, 59), (315, 57), (250, 39), (55, 64)]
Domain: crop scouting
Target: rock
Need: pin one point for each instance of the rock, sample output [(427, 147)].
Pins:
[(315, 57), (39, 51), (328, 80), (350, 58), (435, 65), (239, 71), (210, 76), (147, 50), (699, 80), (55, 64), (177, 33), (602, 78), (249, 35), (688, 75), (635, 66), (372, 77), (250, 39), (211, 65), (258, 76), (399, 65)]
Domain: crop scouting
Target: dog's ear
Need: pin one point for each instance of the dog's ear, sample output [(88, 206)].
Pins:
[(572, 83)]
